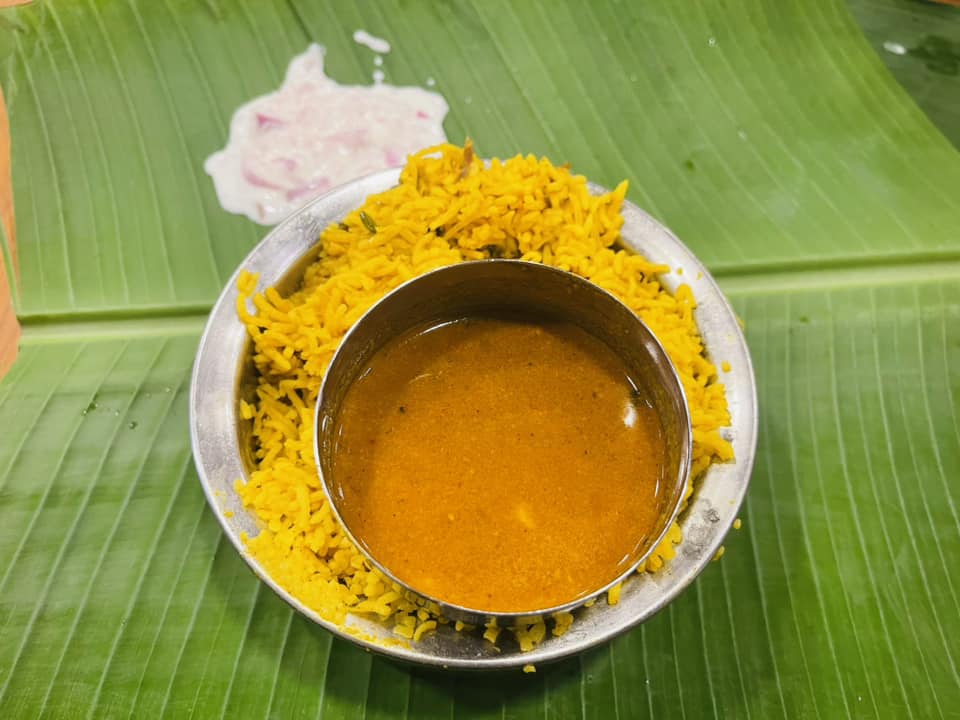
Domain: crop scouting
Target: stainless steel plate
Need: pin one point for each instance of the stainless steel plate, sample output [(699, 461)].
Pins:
[(222, 375)]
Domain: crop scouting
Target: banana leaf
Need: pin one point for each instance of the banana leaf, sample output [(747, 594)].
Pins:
[(919, 42), (767, 134)]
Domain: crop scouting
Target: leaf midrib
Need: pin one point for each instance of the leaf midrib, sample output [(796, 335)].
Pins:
[(158, 321)]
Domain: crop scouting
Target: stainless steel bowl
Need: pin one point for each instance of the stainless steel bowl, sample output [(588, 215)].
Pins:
[(535, 290), (223, 375)]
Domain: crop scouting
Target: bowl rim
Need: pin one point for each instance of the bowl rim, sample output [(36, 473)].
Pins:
[(216, 451)]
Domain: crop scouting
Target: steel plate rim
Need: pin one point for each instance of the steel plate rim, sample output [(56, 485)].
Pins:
[(351, 195)]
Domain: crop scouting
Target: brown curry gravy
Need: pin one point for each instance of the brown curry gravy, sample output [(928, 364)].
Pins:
[(499, 463)]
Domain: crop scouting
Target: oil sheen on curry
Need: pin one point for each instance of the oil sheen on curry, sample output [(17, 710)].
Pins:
[(499, 463)]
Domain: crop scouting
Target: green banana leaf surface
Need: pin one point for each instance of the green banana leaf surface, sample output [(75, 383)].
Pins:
[(768, 134)]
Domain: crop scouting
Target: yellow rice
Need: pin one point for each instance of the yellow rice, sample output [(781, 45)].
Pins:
[(447, 208)]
